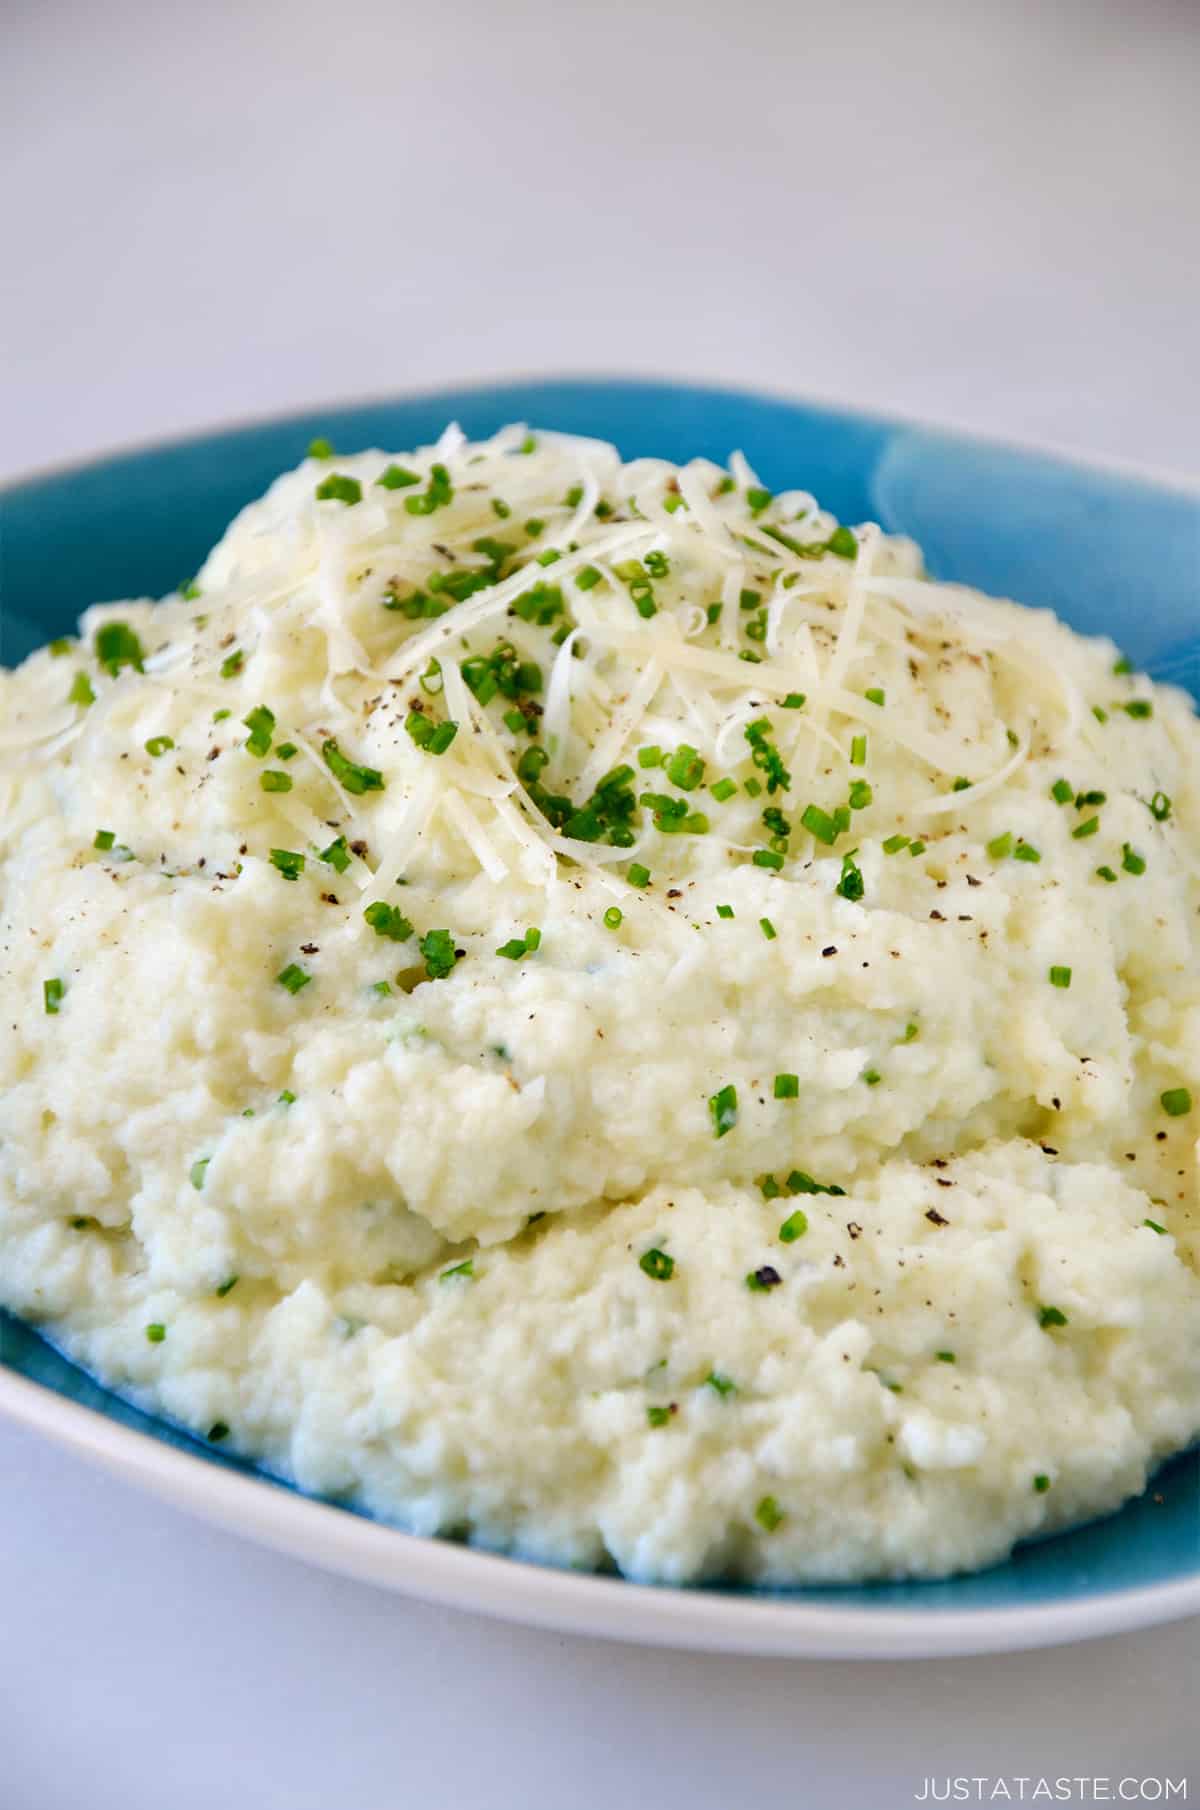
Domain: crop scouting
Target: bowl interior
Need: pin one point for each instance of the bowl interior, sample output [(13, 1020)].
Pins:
[(1110, 552)]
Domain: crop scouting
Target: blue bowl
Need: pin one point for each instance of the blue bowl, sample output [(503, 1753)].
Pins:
[(1108, 550)]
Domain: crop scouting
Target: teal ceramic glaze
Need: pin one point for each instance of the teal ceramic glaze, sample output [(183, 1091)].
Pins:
[(1110, 552)]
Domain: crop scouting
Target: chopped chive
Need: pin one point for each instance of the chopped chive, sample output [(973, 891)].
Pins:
[(657, 1265), (1060, 977), (1062, 791), (521, 946), (876, 695), (465, 1270), (219, 716), (337, 855), (388, 920), (945, 1357), (872, 1077), (1025, 851), (62, 644), (820, 824), (858, 751), (158, 745), (437, 947), (657, 1416), (286, 1098), (217, 1432), (289, 863), (1141, 708), (118, 646), (274, 781), (961, 785), (1160, 807), (1155, 1227), (795, 700), (338, 488), (723, 1385), (843, 542), (1041, 1484), (233, 663), (1122, 665), (287, 751), (613, 917), (433, 738), (724, 788), (226, 1287), (851, 884), (500, 508), (768, 1514), (894, 844), (724, 911), (104, 839), (356, 779), (52, 996), (293, 978), (1106, 873), (685, 768), (1051, 1316), (198, 1171), (1176, 1102), (261, 724), (911, 1033), (637, 875), (320, 448), (1087, 828), (860, 795), (723, 1109), (1000, 847), (1131, 861), (787, 1087), (81, 691), (768, 929), (767, 857), (156, 1332), (1100, 714), (397, 477), (794, 1226)]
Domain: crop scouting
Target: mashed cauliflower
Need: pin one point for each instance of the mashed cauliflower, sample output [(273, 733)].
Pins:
[(588, 1005)]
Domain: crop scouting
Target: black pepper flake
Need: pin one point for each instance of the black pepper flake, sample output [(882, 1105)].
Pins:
[(943, 1182), (329, 898), (972, 881), (359, 849), (766, 1277), (937, 917), (839, 1262), (935, 1218), (309, 949), (832, 950), (854, 1229)]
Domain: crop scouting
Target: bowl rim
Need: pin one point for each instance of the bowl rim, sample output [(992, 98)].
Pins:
[(514, 1589), (1064, 452), (511, 1588)]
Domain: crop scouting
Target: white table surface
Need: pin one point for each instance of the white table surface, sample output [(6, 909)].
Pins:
[(977, 214)]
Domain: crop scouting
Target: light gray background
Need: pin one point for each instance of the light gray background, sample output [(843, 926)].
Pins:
[(975, 213)]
